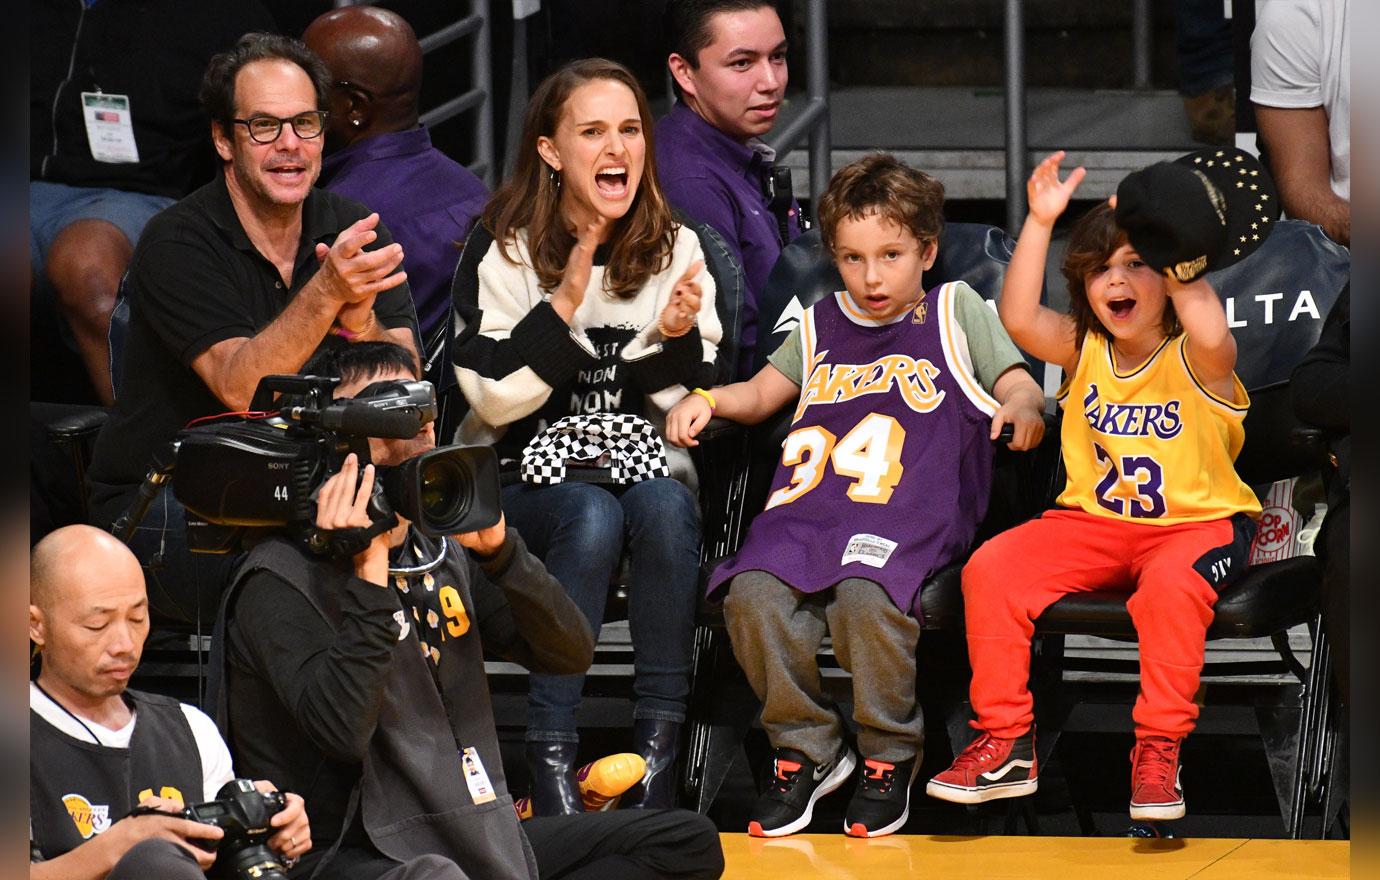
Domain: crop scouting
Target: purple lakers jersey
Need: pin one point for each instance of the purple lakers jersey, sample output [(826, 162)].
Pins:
[(887, 468)]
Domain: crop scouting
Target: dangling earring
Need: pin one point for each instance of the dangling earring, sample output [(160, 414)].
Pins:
[(555, 177)]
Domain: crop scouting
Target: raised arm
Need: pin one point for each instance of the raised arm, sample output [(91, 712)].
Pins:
[(331, 680), (1210, 347), (1038, 329), (512, 348), (680, 349)]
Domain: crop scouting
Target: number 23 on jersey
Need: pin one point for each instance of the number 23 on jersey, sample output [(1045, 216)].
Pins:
[(870, 453)]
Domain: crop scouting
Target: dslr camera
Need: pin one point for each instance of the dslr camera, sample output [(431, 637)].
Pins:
[(243, 813), (262, 469)]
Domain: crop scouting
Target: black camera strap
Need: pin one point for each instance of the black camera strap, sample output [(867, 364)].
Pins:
[(149, 810), (776, 187), (348, 543)]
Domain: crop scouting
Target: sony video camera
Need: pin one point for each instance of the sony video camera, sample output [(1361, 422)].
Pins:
[(243, 813), (263, 469)]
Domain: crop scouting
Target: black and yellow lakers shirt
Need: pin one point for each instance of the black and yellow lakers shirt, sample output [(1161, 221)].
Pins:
[(78, 789)]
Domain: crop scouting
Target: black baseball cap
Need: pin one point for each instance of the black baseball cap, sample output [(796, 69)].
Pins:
[(1203, 211)]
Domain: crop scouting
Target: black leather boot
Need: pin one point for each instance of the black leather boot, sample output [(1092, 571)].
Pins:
[(554, 789), (656, 741)]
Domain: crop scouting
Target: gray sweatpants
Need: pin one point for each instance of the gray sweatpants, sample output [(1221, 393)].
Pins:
[(776, 632)]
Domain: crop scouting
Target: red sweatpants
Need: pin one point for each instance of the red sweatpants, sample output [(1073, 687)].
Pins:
[(1174, 571)]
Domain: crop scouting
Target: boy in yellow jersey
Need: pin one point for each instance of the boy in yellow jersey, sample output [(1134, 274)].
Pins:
[(1152, 423)]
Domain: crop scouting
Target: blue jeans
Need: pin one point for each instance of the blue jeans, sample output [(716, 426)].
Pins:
[(55, 206), (52, 208), (580, 532)]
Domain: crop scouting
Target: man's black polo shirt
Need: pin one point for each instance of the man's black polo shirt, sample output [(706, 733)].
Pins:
[(195, 280)]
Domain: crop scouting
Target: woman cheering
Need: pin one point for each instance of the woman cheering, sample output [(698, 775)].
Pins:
[(580, 296)]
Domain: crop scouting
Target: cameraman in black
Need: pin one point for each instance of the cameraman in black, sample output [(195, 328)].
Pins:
[(361, 684), (97, 748)]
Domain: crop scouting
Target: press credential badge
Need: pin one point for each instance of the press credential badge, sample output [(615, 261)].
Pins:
[(481, 789), (109, 127)]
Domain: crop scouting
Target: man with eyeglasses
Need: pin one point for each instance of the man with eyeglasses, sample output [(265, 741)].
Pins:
[(115, 136), (246, 277)]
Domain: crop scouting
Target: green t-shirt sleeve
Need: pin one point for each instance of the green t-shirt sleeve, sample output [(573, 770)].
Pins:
[(989, 347), (788, 358)]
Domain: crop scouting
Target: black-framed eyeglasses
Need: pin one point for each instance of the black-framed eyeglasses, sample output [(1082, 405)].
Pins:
[(265, 129)]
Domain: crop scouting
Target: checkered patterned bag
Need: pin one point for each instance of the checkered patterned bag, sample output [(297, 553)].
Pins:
[(628, 445)]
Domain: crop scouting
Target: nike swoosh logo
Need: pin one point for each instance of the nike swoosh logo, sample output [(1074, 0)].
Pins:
[(823, 771), (994, 775)]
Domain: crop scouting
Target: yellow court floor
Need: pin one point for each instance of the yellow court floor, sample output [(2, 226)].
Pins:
[(821, 856)]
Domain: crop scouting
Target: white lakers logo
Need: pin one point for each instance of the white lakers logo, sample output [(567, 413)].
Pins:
[(91, 819), (838, 383)]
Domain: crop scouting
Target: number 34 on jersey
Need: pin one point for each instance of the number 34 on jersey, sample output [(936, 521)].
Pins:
[(870, 453)]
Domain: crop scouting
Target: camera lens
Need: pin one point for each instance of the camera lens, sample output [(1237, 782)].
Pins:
[(444, 482), (446, 491)]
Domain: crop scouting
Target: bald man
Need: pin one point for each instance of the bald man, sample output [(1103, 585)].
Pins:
[(381, 156), (96, 748)]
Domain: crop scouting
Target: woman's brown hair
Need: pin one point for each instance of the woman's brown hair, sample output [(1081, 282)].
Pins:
[(1092, 241), (642, 239)]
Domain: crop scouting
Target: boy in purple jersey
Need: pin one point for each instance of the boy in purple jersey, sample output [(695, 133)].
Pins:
[(883, 479)]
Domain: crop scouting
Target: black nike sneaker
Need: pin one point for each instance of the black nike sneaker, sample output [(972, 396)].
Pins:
[(797, 783), (881, 802)]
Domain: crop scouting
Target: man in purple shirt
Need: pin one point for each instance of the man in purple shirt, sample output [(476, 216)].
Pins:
[(728, 59), (383, 158)]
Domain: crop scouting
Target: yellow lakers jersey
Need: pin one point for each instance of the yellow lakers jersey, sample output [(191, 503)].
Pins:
[(1151, 445)]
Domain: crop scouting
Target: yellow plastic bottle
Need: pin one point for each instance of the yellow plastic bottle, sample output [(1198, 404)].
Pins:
[(601, 782)]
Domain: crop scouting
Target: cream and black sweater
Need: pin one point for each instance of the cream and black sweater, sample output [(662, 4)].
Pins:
[(521, 367)]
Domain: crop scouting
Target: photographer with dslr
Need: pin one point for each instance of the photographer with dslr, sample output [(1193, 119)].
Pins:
[(98, 748), (360, 682)]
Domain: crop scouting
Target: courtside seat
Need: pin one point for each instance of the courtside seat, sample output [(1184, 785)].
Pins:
[(1264, 601)]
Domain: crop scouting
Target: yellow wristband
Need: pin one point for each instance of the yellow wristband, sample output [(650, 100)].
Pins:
[(708, 397)]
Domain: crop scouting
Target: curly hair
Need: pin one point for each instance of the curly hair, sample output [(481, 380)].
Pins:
[(642, 240), (1092, 241), (881, 183)]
